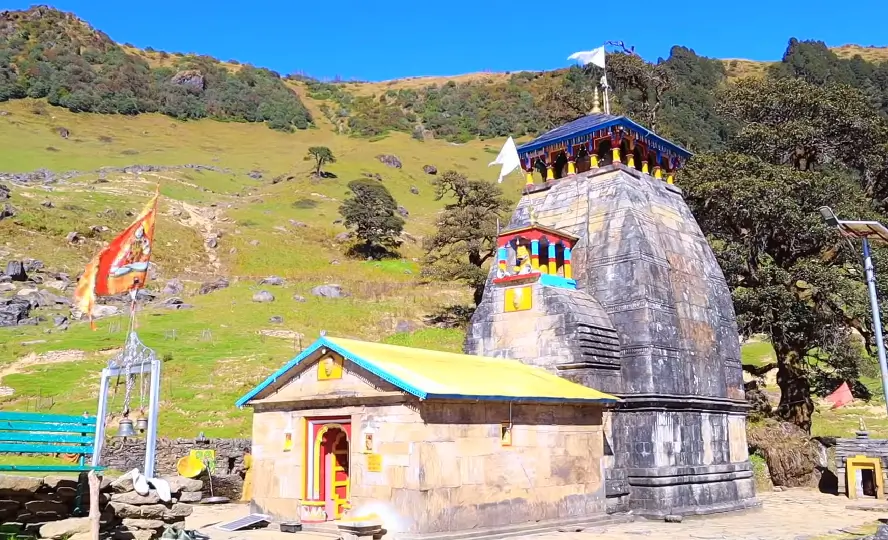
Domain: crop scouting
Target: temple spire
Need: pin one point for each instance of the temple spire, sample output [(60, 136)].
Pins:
[(596, 108)]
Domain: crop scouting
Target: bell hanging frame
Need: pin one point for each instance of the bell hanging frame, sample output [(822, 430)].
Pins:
[(136, 359)]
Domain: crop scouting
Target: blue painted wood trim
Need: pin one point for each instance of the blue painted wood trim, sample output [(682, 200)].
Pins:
[(548, 280), (50, 468), (55, 428), (45, 437), (48, 418), (11, 448)]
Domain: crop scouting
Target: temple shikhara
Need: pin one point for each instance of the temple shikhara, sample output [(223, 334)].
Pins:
[(602, 373)]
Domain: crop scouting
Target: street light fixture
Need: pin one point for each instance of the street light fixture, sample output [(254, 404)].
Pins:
[(866, 231)]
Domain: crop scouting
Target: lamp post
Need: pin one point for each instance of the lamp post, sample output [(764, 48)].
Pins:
[(866, 230)]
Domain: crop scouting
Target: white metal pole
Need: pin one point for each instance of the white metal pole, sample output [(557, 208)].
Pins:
[(101, 414), (877, 319), (153, 409)]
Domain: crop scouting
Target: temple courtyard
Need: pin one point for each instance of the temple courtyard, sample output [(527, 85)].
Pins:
[(793, 514)]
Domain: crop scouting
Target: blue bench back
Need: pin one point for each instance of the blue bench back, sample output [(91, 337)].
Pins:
[(37, 433)]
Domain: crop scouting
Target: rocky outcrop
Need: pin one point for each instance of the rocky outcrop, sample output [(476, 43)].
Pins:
[(192, 79)]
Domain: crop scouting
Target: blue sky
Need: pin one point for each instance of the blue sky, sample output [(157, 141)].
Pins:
[(350, 39)]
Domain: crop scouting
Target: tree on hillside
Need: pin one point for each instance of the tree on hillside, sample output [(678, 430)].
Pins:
[(466, 235), (321, 156), (792, 122), (371, 212), (790, 276)]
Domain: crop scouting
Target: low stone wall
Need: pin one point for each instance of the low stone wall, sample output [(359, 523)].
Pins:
[(860, 446), (45, 507), (125, 455)]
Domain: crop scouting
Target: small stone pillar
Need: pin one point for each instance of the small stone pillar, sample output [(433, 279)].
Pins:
[(553, 266)]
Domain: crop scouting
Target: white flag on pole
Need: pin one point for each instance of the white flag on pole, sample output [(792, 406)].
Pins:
[(595, 56), (508, 158)]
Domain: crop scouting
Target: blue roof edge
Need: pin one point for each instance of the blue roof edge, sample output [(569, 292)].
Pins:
[(620, 120), (320, 343)]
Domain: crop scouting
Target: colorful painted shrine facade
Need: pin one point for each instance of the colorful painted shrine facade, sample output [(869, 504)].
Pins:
[(535, 253), (326, 482), (598, 140)]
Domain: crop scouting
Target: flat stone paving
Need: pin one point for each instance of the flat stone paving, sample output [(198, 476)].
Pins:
[(794, 514)]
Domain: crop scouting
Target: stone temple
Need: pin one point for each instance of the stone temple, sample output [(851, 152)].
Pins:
[(605, 279)]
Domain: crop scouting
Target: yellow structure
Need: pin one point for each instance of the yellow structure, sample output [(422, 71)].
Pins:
[(452, 435), (518, 299), (858, 464)]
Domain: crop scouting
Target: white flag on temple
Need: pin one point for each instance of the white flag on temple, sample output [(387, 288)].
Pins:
[(595, 56), (508, 158)]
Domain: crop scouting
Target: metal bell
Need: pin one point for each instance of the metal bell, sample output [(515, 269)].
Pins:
[(141, 424), (125, 429)]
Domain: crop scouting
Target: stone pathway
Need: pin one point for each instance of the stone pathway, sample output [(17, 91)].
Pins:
[(795, 514)]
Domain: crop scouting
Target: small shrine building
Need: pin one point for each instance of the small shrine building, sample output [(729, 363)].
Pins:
[(430, 442)]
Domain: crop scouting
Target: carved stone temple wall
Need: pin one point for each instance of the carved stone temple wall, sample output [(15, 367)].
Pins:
[(651, 321)]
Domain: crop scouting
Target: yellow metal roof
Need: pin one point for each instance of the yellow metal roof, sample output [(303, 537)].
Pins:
[(442, 375)]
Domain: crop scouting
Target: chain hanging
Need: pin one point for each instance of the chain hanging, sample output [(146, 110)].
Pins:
[(135, 357)]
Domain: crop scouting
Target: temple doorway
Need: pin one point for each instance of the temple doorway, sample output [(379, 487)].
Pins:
[(327, 462)]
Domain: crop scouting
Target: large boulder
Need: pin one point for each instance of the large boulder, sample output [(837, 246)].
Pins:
[(12, 312), (5, 193), (173, 287), (389, 160), (263, 296), (430, 169), (16, 271)]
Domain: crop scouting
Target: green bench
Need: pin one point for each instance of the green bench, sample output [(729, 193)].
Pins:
[(37, 433)]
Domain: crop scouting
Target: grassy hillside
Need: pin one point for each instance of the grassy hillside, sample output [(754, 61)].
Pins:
[(224, 174), (217, 349)]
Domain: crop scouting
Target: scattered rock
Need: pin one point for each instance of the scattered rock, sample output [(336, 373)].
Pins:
[(14, 311), (255, 175), (272, 280), (6, 287), (406, 327), (342, 237), (672, 518), (212, 242), (16, 271), (5, 193), (174, 302), (210, 286), (173, 287), (263, 296), (330, 290), (295, 223), (276, 319), (47, 204), (64, 132), (298, 298), (334, 261), (430, 169), (59, 320), (403, 211), (32, 265), (254, 242), (73, 237), (64, 528), (100, 312), (414, 190), (389, 160)]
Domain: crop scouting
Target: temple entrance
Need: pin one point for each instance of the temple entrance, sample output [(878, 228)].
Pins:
[(327, 486)]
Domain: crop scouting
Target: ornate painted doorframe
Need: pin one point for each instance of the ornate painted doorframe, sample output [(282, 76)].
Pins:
[(327, 483)]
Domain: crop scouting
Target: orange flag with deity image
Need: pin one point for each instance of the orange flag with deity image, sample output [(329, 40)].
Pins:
[(122, 266)]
